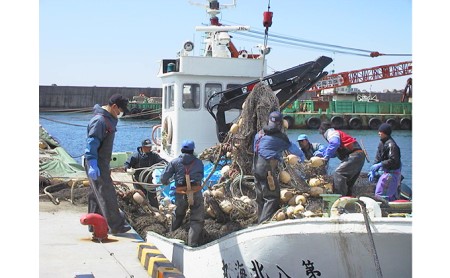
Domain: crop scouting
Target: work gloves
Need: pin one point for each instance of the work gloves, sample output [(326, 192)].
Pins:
[(93, 171), (375, 167), (373, 171)]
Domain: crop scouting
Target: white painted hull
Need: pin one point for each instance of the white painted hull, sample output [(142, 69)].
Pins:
[(337, 247)]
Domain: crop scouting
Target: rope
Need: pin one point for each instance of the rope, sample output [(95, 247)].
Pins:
[(145, 176), (214, 167), (48, 119), (362, 205), (112, 255), (53, 199), (250, 179)]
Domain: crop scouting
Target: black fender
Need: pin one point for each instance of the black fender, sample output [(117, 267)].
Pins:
[(313, 123), (374, 123), (290, 120), (406, 124), (355, 123), (392, 122), (337, 122)]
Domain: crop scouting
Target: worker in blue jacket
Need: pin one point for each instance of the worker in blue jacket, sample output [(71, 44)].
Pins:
[(387, 161), (187, 170), (268, 146), (140, 161), (102, 198)]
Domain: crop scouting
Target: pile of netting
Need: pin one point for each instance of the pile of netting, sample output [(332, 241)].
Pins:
[(234, 196)]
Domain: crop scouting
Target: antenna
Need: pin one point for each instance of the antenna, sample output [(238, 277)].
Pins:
[(214, 7)]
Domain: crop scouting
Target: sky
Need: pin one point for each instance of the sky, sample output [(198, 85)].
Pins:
[(120, 43)]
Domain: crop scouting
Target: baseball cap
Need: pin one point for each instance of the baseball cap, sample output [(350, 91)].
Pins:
[(302, 137), (188, 145), (120, 101), (275, 117), (147, 143)]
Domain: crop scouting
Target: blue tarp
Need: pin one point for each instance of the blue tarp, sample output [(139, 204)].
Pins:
[(169, 191)]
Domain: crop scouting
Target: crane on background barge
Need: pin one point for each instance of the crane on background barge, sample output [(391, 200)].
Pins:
[(363, 75)]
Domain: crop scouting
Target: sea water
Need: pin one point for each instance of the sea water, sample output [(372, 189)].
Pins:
[(70, 129)]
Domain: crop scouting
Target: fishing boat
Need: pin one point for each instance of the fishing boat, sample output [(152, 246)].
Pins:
[(202, 100)]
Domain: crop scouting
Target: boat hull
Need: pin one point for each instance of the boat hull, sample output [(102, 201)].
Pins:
[(335, 247)]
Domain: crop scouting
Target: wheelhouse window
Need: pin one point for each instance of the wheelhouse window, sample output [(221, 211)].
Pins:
[(169, 96), (210, 89), (191, 96)]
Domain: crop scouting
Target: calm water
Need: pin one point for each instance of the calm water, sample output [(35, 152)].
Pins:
[(69, 129)]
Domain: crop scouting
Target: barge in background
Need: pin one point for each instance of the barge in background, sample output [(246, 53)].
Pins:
[(144, 107), (344, 111)]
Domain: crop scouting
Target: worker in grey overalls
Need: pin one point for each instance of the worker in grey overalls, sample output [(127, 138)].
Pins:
[(102, 198), (268, 145), (188, 172)]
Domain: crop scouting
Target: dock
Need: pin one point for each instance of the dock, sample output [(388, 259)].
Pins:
[(67, 249)]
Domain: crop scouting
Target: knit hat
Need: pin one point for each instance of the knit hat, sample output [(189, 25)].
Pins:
[(385, 128), (324, 127)]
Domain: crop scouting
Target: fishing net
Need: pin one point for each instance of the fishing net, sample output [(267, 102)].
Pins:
[(257, 107)]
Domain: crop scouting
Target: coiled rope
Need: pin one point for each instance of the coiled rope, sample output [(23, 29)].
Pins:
[(146, 175)]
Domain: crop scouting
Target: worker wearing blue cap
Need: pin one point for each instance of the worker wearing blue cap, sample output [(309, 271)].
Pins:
[(187, 171), (312, 149)]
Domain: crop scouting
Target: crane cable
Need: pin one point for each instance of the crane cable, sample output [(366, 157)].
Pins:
[(267, 22), (298, 42)]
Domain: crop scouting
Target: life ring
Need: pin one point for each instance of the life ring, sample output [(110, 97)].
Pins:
[(156, 135), (374, 123), (405, 123), (337, 122), (372, 207), (167, 131), (313, 123), (290, 121), (355, 123)]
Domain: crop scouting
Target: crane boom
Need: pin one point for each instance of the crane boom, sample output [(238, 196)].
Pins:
[(363, 75)]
